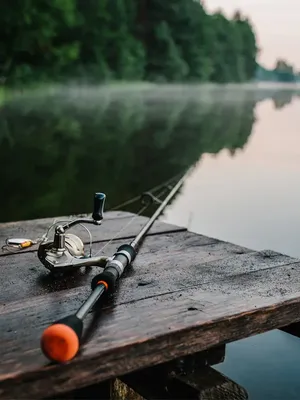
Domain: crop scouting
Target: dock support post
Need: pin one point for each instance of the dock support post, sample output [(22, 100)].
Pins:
[(190, 377)]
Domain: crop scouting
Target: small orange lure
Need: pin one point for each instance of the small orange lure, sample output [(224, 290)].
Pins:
[(19, 243)]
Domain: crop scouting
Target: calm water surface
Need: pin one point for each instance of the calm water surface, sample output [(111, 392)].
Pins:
[(252, 198), (58, 148)]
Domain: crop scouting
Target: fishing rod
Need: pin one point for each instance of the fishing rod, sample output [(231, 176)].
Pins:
[(60, 342)]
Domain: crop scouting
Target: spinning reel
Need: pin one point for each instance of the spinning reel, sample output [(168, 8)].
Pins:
[(66, 250)]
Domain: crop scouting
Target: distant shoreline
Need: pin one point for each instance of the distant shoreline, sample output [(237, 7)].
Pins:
[(120, 87)]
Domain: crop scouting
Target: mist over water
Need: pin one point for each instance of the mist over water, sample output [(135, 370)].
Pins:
[(61, 144), (71, 141)]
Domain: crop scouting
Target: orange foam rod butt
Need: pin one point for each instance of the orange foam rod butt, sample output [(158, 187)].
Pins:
[(60, 342)]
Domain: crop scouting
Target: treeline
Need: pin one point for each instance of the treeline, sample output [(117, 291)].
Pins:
[(283, 72), (98, 40)]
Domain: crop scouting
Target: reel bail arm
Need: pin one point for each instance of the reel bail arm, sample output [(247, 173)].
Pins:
[(67, 250)]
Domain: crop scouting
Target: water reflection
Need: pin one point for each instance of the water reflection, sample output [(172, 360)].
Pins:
[(283, 98), (251, 199), (266, 365), (58, 147)]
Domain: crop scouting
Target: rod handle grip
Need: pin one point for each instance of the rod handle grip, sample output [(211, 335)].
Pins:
[(99, 200), (60, 342)]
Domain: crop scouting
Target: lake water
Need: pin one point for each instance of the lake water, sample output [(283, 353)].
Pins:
[(60, 146)]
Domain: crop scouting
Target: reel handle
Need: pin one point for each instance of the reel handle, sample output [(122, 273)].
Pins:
[(99, 200)]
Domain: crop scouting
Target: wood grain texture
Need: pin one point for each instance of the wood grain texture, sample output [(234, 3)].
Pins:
[(165, 265), (25, 276), (121, 391), (209, 384), (147, 332), (111, 225)]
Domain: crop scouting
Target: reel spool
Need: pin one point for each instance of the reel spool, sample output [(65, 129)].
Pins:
[(74, 245), (65, 258), (66, 250)]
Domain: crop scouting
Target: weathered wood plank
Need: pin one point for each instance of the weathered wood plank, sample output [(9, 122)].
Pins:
[(203, 383), (189, 363), (139, 334), (167, 264), (197, 261), (121, 391), (209, 384), (25, 275), (111, 225)]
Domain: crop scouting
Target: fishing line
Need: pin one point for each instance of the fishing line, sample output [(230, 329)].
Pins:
[(90, 236), (128, 224), (121, 230), (133, 199), (16, 245)]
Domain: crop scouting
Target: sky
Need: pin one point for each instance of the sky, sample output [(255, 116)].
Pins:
[(276, 24)]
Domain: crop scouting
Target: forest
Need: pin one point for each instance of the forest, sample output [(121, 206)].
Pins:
[(130, 40)]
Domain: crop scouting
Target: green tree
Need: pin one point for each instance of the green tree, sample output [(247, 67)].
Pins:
[(174, 40), (192, 33), (32, 37), (222, 49), (248, 45), (125, 53)]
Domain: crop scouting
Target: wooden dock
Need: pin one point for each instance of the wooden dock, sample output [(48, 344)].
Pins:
[(186, 295)]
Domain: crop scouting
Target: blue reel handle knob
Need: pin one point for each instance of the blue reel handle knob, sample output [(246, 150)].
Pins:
[(99, 200)]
